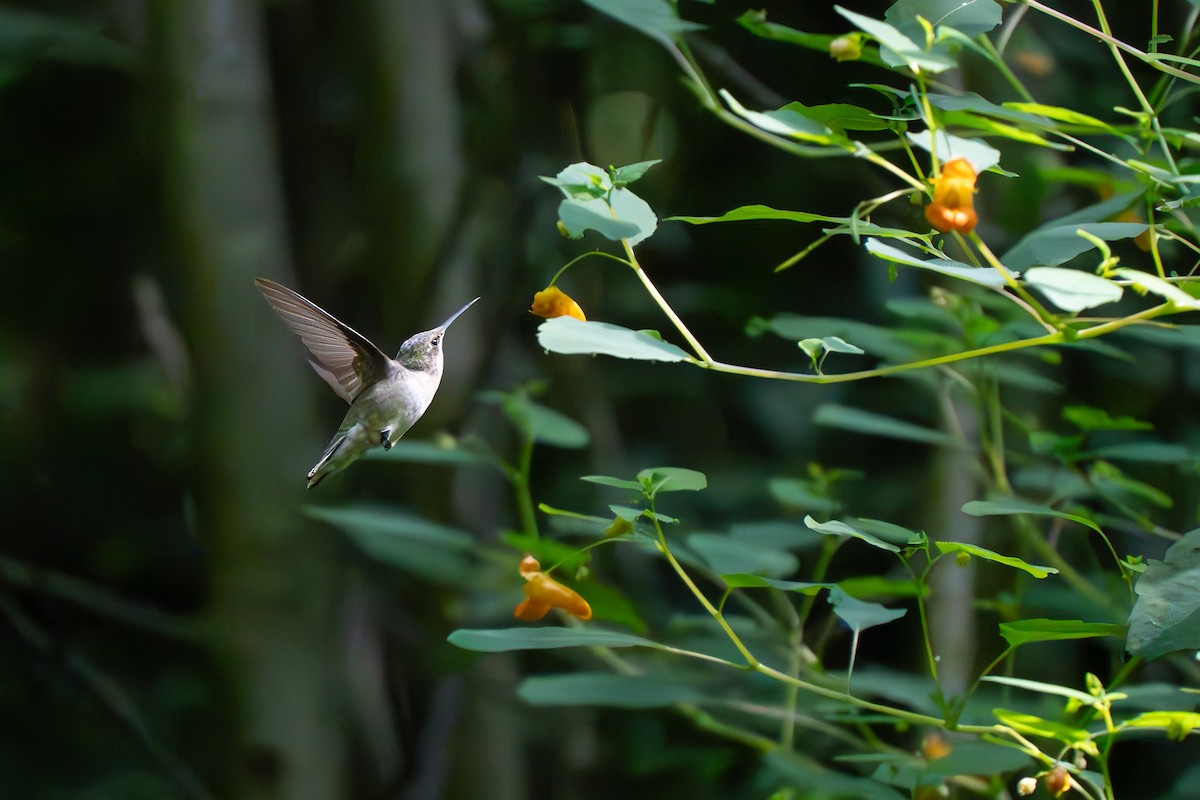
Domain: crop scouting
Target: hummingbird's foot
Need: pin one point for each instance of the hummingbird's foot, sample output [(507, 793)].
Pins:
[(385, 438)]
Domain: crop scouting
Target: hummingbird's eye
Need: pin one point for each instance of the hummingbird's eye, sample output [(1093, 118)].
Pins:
[(437, 340)]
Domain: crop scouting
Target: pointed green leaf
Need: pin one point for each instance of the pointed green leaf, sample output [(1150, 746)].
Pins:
[(503, 640), (973, 19), (988, 555), (746, 581), (859, 614), (623, 176), (569, 336), (782, 122), (905, 50), (1024, 631), (1008, 507), (945, 266), (615, 483), (1031, 725), (837, 528), (1145, 282)]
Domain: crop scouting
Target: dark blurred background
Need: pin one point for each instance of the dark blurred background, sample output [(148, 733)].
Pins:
[(172, 625)]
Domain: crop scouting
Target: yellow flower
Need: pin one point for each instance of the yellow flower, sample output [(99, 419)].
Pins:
[(953, 206), (543, 593), (554, 302)]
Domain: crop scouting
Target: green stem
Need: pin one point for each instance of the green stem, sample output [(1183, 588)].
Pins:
[(1114, 42), (664, 305), (519, 477)]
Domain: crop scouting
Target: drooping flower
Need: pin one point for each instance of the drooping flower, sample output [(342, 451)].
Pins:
[(554, 302), (543, 593), (953, 206)]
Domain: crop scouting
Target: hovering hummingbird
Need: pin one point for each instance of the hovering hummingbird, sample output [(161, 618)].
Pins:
[(386, 396)]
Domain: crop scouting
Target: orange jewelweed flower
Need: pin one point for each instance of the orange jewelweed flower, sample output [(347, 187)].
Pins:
[(953, 206), (554, 302), (543, 593)]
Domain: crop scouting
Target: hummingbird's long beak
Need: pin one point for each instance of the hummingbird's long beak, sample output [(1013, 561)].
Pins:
[(456, 314)]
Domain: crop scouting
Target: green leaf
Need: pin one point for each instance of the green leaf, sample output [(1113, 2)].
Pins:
[(629, 207), (1166, 615), (606, 689), (419, 451), (837, 528), (894, 43), (859, 614), (841, 117), (807, 778), (615, 483), (784, 122), (1145, 282), (672, 479), (1024, 631), (988, 555), (726, 555), (1177, 724), (1059, 243), (594, 214), (872, 424), (402, 539), (544, 425), (569, 336), (757, 212), (623, 176), (979, 758), (973, 19), (1088, 419), (1067, 115), (1009, 507), (1083, 698), (657, 19), (945, 266), (981, 154), (582, 181), (1031, 725), (1071, 289), (746, 581), (503, 640)]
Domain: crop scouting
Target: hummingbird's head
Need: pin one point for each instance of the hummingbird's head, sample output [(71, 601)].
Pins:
[(423, 351)]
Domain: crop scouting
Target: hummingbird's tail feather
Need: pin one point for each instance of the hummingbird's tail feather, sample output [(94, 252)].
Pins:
[(323, 467)]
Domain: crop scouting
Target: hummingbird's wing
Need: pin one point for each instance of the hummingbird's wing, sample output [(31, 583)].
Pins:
[(342, 356)]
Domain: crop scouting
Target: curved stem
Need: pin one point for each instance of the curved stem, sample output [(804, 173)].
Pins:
[(664, 305)]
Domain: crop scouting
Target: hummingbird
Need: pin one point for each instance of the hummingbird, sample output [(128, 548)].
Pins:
[(386, 395)]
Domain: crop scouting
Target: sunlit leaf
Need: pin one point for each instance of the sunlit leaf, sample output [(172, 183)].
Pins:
[(948, 146), (1031, 725), (623, 176), (945, 266), (503, 640), (1024, 631), (1040, 687), (615, 483), (860, 614), (989, 555), (757, 212), (782, 122), (1072, 289), (569, 336), (594, 214), (1145, 282), (1177, 724), (838, 528)]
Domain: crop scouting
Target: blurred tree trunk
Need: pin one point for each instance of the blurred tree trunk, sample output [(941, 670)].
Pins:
[(273, 577)]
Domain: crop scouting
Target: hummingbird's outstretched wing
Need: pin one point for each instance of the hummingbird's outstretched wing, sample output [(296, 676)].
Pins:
[(342, 356)]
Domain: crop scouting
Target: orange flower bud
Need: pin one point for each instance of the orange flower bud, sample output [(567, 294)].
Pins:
[(1058, 781), (553, 302), (846, 48), (953, 206), (935, 746), (529, 566)]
